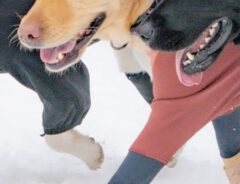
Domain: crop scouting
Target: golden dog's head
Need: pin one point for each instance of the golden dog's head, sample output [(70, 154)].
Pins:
[(62, 29)]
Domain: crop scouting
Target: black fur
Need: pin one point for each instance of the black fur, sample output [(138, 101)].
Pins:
[(176, 24), (66, 99)]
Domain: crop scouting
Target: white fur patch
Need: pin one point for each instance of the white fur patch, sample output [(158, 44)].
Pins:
[(78, 145), (131, 61), (144, 61)]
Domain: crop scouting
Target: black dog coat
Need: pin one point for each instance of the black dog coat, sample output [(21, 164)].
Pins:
[(66, 99)]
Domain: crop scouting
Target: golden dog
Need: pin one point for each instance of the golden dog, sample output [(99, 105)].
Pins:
[(62, 30)]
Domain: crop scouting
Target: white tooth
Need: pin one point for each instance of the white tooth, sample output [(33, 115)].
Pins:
[(190, 56), (215, 25), (202, 46), (60, 56), (187, 62), (212, 31), (207, 39)]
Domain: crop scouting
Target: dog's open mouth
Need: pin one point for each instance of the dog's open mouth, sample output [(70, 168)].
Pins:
[(60, 58), (199, 55)]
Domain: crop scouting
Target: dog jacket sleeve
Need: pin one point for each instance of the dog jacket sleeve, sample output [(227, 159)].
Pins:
[(66, 99), (178, 112), (136, 169)]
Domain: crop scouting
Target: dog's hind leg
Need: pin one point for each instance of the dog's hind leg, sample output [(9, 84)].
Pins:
[(78, 145)]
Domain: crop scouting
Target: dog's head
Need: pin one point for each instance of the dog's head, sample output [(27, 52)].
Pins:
[(62, 29), (200, 27)]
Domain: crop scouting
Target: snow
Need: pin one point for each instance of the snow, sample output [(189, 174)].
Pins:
[(117, 115)]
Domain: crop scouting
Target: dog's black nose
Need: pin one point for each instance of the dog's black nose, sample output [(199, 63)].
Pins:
[(144, 30)]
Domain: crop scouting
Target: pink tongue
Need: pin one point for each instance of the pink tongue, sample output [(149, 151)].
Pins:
[(185, 79), (51, 55)]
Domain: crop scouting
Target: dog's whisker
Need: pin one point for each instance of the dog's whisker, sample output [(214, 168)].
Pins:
[(19, 16), (14, 39), (13, 35), (22, 48), (15, 25), (13, 32), (19, 45)]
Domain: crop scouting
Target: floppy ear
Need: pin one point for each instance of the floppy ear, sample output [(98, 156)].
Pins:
[(236, 41)]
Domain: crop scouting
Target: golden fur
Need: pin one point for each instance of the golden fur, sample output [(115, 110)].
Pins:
[(62, 20)]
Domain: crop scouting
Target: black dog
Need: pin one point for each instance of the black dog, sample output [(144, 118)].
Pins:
[(204, 27)]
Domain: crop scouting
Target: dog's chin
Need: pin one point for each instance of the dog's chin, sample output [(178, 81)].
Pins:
[(62, 66)]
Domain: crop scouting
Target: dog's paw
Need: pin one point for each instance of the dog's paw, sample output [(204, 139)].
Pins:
[(94, 155)]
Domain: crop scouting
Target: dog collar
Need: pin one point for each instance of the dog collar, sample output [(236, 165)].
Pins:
[(155, 4), (147, 13)]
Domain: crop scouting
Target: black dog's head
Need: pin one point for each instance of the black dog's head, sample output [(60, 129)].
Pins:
[(201, 27)]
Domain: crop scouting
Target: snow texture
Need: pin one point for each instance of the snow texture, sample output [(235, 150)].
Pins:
[(117, 115)]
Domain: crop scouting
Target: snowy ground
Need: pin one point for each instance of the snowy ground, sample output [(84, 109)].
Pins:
[(117, 115)]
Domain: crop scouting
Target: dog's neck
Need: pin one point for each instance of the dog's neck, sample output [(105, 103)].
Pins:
[(120, 16)]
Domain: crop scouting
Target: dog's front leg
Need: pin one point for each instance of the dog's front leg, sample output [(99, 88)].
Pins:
[(143, 83), (78, 145), (141, 79), (135, 71)]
